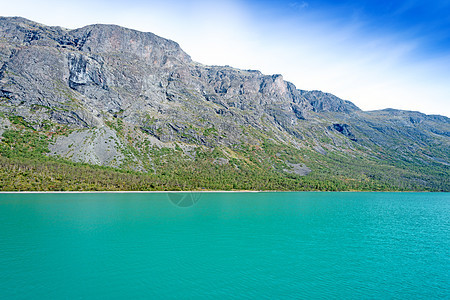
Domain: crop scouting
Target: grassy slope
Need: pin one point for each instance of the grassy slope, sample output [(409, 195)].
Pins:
[(24, 165)]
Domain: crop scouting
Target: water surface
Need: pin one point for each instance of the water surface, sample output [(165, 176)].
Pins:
[(225, 245)]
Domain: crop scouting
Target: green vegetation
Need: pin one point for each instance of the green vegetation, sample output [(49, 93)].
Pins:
[(25, 165), (116, 124), (18, 120)]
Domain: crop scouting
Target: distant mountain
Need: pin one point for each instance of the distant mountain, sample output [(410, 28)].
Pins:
[(115, 97)]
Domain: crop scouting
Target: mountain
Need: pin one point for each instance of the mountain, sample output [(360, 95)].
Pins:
[(135, 111)]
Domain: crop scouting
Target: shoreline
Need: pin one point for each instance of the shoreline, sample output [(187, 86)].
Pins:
[(207, 191)]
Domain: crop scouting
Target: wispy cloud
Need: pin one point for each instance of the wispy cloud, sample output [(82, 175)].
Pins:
[(299, 5)]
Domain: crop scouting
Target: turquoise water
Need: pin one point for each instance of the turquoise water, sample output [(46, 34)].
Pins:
[(225, 245)]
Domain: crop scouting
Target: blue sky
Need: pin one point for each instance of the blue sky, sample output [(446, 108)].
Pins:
[(377, 54)]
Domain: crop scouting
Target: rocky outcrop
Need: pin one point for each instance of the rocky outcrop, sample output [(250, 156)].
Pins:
[(345, 130), (108, 68), (325, 102)]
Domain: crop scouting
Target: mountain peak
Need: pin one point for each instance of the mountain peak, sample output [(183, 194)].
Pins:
[(112, 38), (98, 38)]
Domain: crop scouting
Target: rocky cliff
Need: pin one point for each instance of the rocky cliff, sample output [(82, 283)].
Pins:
[(122, 95)]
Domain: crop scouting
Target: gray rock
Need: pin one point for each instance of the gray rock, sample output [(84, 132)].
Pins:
[(299, 169), (100, 146), (105, 74)]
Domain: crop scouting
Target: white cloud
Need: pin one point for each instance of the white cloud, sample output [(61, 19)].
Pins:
[(299, 5)]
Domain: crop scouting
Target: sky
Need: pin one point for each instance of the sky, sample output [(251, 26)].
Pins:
[(377, 54)]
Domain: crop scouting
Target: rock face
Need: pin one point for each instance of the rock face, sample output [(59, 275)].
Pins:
[(345, 130), (323, 102), (105, 69), (116, 86)]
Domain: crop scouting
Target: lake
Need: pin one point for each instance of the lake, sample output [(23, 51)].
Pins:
[(225, 245)]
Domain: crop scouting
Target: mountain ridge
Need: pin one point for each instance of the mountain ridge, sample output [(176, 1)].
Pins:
[(113, 96)]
